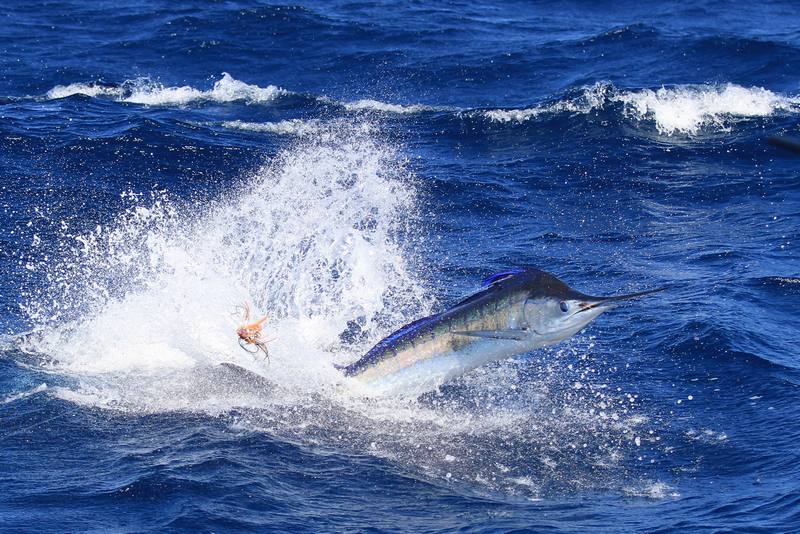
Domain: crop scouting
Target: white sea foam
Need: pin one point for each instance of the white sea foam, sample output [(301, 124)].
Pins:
[(590, 98), (86, 89), (227, 89), (516, 115), (688, 109), (683, 109), (385, 107), (296, 127), (148, 92), (155, 94)]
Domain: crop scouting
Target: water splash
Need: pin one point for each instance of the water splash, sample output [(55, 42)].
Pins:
[(138, 316), (313, 238)]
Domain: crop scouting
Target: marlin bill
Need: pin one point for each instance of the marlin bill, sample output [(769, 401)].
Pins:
[(515, 312)]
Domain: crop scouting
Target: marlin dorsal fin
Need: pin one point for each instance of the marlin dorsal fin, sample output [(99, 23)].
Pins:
[(497, 277)]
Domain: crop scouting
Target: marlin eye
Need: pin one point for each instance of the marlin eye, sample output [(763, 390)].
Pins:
[(564, 306)]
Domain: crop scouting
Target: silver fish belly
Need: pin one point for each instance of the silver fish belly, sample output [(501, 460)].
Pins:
[(431, 351)]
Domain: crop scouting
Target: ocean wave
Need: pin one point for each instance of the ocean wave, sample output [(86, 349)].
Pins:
[(24, 394), (377, 105), (296, 127), (590, 98), (151, 93), (688, 109), (682, 109), (86, 89), (227, 89)]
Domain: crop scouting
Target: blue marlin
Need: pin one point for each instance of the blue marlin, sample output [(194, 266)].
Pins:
[(516, 312)]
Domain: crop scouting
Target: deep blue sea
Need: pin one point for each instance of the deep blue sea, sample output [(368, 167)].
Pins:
[(347, 167)]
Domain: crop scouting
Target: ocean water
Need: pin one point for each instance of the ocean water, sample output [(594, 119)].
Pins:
[(347, 167)]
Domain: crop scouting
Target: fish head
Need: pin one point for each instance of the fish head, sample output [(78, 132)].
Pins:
[(554, 311)]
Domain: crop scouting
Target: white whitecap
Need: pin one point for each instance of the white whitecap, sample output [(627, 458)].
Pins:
[(148, 92), (683, 109), (296, 127), (514, 115), (590, 98), (227, 89), (87, 89), (688, 109), (385, 107)]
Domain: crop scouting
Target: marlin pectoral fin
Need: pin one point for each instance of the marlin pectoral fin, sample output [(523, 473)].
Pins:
[(517, 334)]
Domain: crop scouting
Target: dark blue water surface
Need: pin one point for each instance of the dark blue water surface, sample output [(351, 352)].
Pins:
[(347, 167)]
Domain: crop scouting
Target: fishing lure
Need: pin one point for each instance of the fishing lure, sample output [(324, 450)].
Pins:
[(251, 333)]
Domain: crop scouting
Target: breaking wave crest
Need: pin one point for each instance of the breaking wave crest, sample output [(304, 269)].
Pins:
[(589, 99), (85, 89), (685, 109), (688, 109), (296, 127), (376, 105), (227, 89), (148, 92), (681, 109)]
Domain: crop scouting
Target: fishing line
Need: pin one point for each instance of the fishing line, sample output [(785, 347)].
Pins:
[(34, 425)]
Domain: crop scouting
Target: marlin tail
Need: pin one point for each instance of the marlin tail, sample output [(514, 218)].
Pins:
[(518, 311)]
